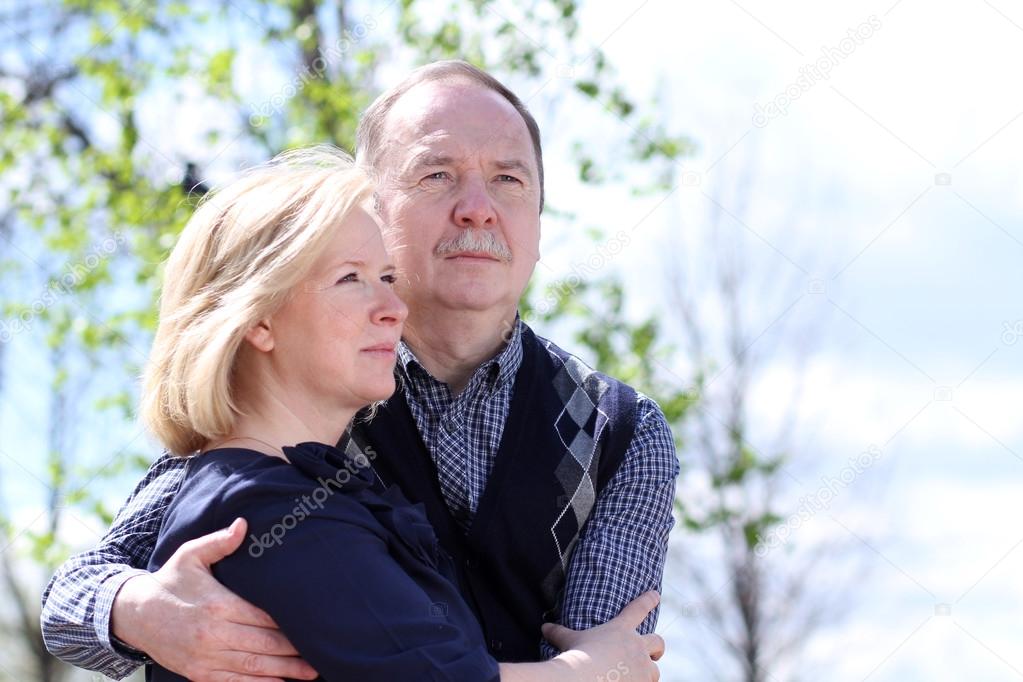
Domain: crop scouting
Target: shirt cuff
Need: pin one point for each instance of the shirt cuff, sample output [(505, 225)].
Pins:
[(101, 617)]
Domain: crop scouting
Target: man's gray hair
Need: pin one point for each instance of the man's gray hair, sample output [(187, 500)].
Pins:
[(369, 135)]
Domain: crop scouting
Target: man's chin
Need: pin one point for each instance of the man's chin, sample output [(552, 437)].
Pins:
[(472, 294), (468, 301)]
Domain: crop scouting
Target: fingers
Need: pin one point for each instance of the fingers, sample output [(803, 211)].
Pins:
[(234, 609), (255, 640), (558, 635), (261, 667), (654, 645), (637, 610), (226, 676), (211, 548)]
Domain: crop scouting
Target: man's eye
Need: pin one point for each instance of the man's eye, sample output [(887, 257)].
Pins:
[(350, 277), (507, 178)]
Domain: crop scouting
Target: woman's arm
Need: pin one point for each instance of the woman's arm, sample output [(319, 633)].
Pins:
[(359, 604), (179, 616), (355, 607)]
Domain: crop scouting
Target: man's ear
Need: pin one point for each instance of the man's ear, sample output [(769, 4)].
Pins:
[(260, 336)]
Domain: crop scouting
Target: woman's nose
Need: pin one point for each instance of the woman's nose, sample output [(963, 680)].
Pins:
[(390, 308)]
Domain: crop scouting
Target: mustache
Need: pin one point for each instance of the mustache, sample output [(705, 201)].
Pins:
[(479, 241)]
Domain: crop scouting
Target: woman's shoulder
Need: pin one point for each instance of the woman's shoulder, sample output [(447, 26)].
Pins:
[(323, 484), (207, 481), (245, 481), (217, 473), (239, 470), (223, 484)]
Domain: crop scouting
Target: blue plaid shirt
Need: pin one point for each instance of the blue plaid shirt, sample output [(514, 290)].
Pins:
[(620, 554)]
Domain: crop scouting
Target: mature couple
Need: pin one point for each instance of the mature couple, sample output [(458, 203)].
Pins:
[(503, 514)]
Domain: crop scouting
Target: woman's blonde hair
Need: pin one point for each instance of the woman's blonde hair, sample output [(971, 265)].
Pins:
[(235, 263)]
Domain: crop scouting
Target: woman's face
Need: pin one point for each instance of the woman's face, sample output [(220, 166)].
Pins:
[(334, 339)]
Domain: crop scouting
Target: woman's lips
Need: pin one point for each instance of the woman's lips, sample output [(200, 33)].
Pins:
[(384, 350)]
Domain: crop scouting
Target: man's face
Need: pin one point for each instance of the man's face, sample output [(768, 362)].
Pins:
[(460, 198)]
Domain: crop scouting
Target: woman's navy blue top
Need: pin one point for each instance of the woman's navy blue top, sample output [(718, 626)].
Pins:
[(350, 571)]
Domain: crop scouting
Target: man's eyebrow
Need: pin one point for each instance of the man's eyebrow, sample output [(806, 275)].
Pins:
[(429, 159), (514, 164)]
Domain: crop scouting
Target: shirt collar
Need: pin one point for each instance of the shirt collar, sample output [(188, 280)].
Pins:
[(496, 371)]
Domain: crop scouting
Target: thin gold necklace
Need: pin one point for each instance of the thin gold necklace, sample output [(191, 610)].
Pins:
[(237, 438)]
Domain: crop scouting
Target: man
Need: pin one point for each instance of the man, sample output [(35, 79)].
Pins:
[(550, 485)]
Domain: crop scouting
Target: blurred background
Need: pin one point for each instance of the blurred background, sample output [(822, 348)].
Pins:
[(796, 225)]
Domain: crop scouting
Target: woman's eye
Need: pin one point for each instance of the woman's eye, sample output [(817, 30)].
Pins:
[(350, 277), (439, 175), (389, 279)]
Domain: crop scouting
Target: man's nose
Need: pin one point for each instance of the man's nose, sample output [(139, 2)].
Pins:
[(474, 207)]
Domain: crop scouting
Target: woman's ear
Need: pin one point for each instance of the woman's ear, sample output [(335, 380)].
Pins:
[(260, 336)]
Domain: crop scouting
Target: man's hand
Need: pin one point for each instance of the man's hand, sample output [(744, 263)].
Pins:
[(192, 625), (613, 650)]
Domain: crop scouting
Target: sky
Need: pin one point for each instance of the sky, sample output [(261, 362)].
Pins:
[(899, 175), (889, 191)]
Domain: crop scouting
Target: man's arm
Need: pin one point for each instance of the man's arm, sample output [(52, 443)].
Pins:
[(624, 545), (78, 600)]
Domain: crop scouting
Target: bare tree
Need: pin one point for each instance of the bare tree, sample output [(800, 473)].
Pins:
[(737, 315)]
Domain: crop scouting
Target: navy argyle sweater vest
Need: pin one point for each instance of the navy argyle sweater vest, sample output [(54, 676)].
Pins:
[(566, 434)]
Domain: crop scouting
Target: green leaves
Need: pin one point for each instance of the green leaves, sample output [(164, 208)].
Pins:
[(219, 72), (95, 189), (588, 88)]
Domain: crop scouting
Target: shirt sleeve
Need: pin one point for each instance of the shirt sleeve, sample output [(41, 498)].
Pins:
[(622, 550), (354, 606), (77, 602)]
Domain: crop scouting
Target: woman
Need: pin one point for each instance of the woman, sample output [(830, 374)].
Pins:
[(277, 324)]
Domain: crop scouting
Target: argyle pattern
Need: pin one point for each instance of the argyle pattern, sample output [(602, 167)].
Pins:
[(579, 427)]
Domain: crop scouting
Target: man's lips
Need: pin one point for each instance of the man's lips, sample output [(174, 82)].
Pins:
[(472, 255)]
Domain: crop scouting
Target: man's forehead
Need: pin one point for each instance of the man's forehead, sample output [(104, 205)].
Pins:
[(438, 114), (439, 148)]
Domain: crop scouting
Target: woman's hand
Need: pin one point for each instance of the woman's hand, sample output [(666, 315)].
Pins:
[(613, 650)]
